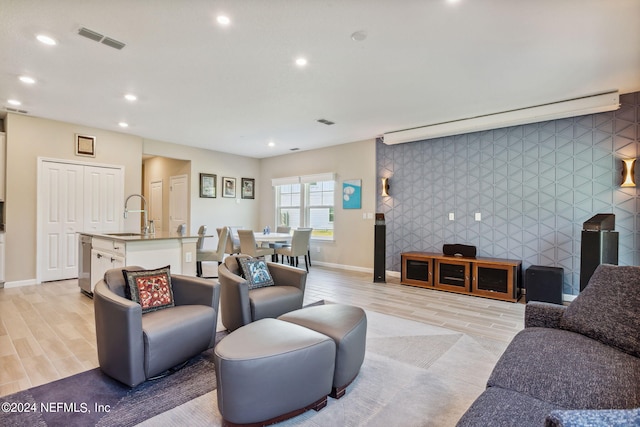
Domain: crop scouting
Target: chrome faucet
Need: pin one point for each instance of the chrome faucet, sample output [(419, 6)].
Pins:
[(145, 227)]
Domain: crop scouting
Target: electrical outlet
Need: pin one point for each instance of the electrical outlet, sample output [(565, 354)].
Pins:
[(188, 257), (317, 249), (451, 216), (478, 216)]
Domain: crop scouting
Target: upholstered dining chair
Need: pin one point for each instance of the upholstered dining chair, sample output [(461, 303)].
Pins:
[(134, 346), (203, 255), (248, 245), (241, 305), (299, 247), (233, 241)]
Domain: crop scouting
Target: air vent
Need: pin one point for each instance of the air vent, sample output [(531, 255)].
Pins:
[(15, 110), (293, 149), (97, 37), (113, 43), (326, 122), (85, 32)]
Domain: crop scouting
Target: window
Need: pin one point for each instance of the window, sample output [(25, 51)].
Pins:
[(307, 203)]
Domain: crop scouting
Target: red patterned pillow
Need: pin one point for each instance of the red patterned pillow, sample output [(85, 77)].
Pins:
[(150, 288)]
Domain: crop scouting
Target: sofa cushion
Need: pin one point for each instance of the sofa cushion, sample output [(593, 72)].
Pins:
[(602, 417), (501, 407), (608, 309), (150, 288), (568, 369), (256, 272)]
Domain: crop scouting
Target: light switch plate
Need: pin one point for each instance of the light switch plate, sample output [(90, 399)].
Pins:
[(451, 216), (478, 216)]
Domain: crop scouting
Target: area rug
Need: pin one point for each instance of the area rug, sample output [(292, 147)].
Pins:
[(91, 398), (414, 374)]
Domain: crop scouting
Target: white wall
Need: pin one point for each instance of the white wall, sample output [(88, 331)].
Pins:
[(29, 138), (353, 244), (219, 211)]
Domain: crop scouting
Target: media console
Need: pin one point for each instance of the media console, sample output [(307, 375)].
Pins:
[(487, 277)]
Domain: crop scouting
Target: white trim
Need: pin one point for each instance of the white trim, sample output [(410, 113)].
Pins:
[(275, 182), (589, 104), (318, 177), (568, 297), (20, 283)]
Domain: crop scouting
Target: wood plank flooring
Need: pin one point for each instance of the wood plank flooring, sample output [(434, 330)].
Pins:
[(47, 331)]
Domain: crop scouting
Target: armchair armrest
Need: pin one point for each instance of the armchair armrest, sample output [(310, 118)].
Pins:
[(119, 336), (285, 275), (543, 314), (235, 306), (188, 290)]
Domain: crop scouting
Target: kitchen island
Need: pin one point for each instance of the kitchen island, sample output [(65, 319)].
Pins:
[(114, 250)]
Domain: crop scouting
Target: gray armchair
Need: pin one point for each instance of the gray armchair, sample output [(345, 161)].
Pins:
[(240, 306), (134, 347)]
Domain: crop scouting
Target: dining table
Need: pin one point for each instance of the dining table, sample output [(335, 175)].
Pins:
[(272, 237)]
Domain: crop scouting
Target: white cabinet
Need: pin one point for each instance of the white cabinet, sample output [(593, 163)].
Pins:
[(105, 255), (103, 199), (3, 164)]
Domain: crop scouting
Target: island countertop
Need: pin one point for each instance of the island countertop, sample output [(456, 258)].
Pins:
[(133, 237)]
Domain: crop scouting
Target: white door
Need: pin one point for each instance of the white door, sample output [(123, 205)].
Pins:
[(178, 201), (155, 204), (61, 190), (103, 199)]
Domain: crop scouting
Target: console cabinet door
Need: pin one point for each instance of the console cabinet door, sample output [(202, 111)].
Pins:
[(417, 270), (453, 275)]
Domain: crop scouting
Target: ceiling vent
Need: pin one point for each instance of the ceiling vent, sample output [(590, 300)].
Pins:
[(326, 122), (97, 37), (15, 110)]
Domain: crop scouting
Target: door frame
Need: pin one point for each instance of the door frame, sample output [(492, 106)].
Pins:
[(39, 194)]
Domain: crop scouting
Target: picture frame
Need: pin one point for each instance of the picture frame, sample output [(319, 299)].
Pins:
[(85, 145), (208, 185), (228, 187), (248, 188), (352, 194)]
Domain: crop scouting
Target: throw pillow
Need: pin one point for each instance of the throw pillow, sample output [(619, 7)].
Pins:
[(150, 288), (256, 272), (608, 309)]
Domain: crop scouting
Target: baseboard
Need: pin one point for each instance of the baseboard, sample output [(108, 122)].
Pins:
[(343, 267), (568, 297), (19, 283)]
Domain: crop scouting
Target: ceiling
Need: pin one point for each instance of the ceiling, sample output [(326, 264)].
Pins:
[(236, 88)]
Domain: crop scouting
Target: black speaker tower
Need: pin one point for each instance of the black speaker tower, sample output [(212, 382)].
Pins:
[(599, 245), (379, 250)]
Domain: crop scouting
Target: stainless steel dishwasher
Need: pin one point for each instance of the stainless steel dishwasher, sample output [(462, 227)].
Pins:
[(84, 265)]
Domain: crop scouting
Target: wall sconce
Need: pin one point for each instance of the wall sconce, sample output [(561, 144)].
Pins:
[(628, 173), (385, 187)]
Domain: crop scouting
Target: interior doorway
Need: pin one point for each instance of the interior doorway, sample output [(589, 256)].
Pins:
[(157, 174)]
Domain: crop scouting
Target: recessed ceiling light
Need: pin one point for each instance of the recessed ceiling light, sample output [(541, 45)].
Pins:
[(28, 80), (301, 62), (123, 124), (14, 102), (271, 144), (359, 36), (46, 40), (130, 97), (223, 20)]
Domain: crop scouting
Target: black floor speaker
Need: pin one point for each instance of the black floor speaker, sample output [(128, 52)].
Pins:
[(544, 284), (379, 256)]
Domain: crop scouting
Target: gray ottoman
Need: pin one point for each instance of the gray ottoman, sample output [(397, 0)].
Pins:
[(347, 326), (271, 370)]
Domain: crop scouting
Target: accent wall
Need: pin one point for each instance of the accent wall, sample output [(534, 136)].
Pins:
[(533, 185)]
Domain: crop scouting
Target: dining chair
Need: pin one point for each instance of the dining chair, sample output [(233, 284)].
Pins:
[(276, 245), (209, 255), (309, 246), (248, 245), (299, 247)]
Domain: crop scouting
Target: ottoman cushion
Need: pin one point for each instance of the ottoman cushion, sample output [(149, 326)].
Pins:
[(347, 326), (270, 368)]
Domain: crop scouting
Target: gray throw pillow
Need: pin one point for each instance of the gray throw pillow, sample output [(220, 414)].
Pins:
[(256, 272), (608, 309)]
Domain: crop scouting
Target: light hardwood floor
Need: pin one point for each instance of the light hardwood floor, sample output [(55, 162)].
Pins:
[(47, 331)]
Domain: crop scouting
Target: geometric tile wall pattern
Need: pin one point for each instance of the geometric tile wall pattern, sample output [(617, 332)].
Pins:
[(534, 186)]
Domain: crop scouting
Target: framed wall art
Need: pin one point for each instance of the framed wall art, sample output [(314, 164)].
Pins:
[(208, 185), (352, 194), (85, 145), (228, 187), (248, 188)]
